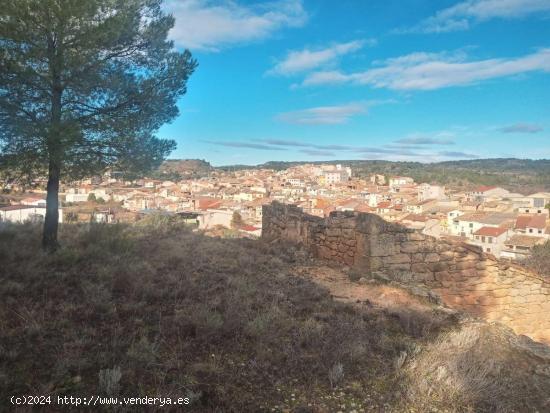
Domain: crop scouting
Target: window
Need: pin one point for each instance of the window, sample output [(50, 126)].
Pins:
[(540, 231), (482, 239), (530, 230), (490, 240), (471, 225), (488, 249)]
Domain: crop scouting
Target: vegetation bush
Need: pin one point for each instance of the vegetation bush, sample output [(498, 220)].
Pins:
[(157, 310), (480, 367), (539, 260)]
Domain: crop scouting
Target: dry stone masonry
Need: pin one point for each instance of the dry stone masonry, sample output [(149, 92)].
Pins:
[(462, 275)]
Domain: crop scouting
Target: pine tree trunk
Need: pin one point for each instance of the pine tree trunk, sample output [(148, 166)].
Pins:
[(49, 235), (51, 221)]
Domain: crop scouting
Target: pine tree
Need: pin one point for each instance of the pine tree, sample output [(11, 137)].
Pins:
[(84, 85)]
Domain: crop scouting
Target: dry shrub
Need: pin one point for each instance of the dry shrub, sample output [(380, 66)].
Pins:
[(418, 323), (477, 367), (223, 321)]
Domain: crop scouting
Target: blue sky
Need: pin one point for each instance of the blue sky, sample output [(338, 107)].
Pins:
[(399, 80)]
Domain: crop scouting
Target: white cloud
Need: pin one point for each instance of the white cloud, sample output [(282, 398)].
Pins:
[(324, 78), (323, 115), (419, 140), (209, 25), (434, 71), (462, 15), (522, 128), (307, 59)]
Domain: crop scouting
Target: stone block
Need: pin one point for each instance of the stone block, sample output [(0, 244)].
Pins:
[(333, 232), (443, 276), (442, 247), (400, 267), (342, 248), (467, 257), (446, 256), (383, 245), (397, 259), (348, 233), (420, 267), (411, 247), (468, 273), (464, 265), (376, 263), (431, 257), (416, 236), (437, 266)]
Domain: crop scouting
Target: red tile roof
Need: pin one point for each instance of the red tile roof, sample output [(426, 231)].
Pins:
[(208, 203), (416, 218), (521, 221), (249, 228), (530, 221), (537, 221), (490, 231)]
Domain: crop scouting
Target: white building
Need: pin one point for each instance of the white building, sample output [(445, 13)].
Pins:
[(334, 177), (378, 179), (488, 192), (401, 180), (25, 213), (72, 197), (519, 247), (427, 191), (297, 182), (490, 239), (453, 222), (466, 225), (34, 201), (213, 217)]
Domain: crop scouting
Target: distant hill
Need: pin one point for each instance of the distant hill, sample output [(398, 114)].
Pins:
[(183, 168), (520, 175)]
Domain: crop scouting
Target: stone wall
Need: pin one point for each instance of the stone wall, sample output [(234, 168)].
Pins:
[(462, 275)]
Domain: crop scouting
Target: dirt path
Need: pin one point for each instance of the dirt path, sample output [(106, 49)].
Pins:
[(372, 294)]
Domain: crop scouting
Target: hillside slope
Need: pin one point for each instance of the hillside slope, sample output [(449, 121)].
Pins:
[(156, 310), (183, 169), (518, 175)]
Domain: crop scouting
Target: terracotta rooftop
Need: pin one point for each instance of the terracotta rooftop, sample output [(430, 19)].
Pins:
[(249, 228), (416, 218), (531, 221), (484, 188), (524, 240), (490, 231)]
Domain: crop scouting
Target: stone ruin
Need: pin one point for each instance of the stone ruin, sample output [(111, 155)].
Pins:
[(462, 275)]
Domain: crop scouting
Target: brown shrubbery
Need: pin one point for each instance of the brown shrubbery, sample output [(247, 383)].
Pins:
[(479, 365), (156, 310), (539, 260)]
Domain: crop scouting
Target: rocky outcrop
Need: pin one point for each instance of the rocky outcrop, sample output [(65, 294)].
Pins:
[(462, 275)]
